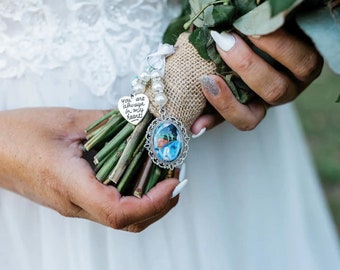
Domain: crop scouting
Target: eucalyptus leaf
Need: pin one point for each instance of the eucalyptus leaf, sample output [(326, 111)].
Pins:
[(259, 20), (208, 18), (199, 38), (176, 26), (174, 29), (323, 27), (244, 6), (221, 67), (223, 14), (196, 6), (278, 6), (240, 90), (186, 9), (205, 17)]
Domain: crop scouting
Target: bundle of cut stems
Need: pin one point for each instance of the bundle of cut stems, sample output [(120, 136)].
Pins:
[(120, 157)]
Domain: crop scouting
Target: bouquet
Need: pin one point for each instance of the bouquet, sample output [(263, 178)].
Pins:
[(146, 139)]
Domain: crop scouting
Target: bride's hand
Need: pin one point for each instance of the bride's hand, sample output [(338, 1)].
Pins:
[(300, 58), (40, 158)]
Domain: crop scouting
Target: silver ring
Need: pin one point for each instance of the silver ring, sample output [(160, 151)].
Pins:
[(160, 61)]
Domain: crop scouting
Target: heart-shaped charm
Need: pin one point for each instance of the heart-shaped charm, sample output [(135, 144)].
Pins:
[(133, 108)]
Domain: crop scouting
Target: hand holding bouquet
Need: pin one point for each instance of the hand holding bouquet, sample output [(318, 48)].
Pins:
[(146, 140)]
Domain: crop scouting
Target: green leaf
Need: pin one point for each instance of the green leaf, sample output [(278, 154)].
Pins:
[(206, 18), (244, 6), (323, 27), (202, 12), (199, 38), (240, 90), (259, 20), (186, 9), (196, 8), (174, 29), (278, 6), (221, 67), (223, 14)]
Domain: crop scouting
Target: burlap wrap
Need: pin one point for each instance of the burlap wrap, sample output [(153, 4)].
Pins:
[(181, 81)]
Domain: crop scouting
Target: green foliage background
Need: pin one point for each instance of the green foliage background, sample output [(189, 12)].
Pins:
[(320, 117)]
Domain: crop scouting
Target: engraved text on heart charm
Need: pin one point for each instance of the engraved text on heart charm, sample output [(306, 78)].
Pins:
[(133, 108)]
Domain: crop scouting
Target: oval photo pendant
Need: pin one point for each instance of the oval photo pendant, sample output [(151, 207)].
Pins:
[(167, 142)]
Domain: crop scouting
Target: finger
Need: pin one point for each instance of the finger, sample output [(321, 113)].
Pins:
[(271, 85), (78, 120), (301, 58), (151, 204), (143, 225), (206, 121), (244, 117), (180, 175), (105, 205)]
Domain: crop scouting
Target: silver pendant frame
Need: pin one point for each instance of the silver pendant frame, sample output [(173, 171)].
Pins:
[(150, 146)]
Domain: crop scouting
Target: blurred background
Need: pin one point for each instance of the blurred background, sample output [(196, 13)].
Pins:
[(320, 118)]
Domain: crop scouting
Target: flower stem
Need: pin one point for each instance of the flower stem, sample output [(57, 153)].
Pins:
[(110, 128), (154, 177), (129, 173), (142, 178), (100, 120), (115, 141), (110, 163), (129, 150), (191, 21)]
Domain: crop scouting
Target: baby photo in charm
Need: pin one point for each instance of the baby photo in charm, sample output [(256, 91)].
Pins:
[(167, 142)]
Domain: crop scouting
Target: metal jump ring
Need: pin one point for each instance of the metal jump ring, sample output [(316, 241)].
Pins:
[(161, 61)]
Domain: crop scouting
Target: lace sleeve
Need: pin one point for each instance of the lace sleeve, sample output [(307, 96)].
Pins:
[(93, 36)]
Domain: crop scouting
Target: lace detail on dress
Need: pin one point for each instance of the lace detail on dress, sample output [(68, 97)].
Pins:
[(90, 35)]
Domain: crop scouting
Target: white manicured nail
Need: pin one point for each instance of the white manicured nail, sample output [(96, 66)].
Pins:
[(179, 188), (224, 40), (199, 134), (256, 36), (182, 172)]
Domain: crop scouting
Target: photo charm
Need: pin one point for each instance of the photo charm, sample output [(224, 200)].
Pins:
[(167, 142)]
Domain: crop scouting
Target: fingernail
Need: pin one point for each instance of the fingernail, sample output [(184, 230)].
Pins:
[(209, 85), (179, 188), (199, 134), (256, 36), (224, 40), (182, 172)]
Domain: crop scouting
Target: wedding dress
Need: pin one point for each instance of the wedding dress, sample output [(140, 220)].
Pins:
[(253, 202)]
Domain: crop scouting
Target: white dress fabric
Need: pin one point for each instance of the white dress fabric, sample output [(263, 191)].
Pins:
[(253, 200)]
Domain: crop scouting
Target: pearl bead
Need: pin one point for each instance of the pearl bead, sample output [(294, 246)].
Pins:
[(157, 86), (138, 88), (144, 77), (161, 99), (155, 74), (135, 82)]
